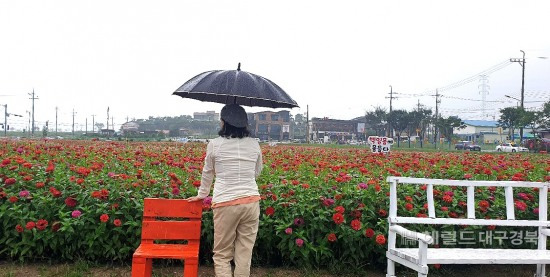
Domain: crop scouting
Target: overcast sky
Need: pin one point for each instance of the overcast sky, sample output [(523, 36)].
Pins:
[(338, 57)]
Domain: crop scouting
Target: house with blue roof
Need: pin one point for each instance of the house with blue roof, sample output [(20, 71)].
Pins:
[(487, 131), (481, 131)]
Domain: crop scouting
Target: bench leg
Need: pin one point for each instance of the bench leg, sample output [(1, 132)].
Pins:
[(191, 268), (142, 267), (541, 270), (391, 268)]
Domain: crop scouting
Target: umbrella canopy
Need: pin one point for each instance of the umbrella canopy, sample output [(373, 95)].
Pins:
[(235, 87)]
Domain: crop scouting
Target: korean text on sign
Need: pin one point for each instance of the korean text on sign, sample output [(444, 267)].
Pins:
[(380, 144)]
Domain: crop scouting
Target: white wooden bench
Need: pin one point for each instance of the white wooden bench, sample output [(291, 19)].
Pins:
[(419, 258)]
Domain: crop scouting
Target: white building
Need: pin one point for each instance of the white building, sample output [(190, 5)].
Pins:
[(129, 127)]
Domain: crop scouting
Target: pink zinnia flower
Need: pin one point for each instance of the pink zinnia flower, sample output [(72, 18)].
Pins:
[(76, 213), (24, 193), (299, 242), (288, 231)]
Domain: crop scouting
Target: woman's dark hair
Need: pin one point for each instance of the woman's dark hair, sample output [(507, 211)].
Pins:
[(230, 131)]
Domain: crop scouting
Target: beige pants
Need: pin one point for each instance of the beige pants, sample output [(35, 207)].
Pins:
[(235, 229)]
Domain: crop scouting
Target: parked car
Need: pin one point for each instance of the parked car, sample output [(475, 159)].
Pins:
[(467, 145), (510, 147), (538, 145)]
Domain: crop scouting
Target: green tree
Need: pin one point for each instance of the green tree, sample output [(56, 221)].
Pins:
[(543, 117), (376, 120), (510, 118), (400, 120), (447, 125)]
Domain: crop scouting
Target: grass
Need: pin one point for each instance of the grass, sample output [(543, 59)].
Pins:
[(84, 269)]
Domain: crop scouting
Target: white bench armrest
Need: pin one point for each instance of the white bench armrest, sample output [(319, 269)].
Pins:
[(411, 234), (545, 232)]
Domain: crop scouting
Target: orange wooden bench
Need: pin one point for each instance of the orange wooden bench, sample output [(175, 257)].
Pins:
[(154, 229)]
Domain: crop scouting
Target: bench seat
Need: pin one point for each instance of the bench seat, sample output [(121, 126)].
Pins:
[(167, 251), (474, 256)]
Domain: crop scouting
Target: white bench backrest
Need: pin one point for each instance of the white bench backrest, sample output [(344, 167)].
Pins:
[(471, 185)]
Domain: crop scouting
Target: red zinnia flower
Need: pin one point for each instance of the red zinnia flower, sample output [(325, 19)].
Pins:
[(19, 228), (356, 224), (382, 213), (30, 225), (55, 226), (409, 206), (117, 222), (39, 185), (9, 181), (338, 218), (70, 202), (104, 218), (369, 233), (380, 239), (12, 199), (41, 224), (484, 204), (340, 209), (50, 167), (269, 211), (448, 198), (332, 237), (197, 183)]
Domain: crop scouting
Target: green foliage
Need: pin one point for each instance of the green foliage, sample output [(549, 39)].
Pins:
[(305, 186)]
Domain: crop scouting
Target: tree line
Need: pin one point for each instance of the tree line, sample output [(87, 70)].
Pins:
[(424, 123)]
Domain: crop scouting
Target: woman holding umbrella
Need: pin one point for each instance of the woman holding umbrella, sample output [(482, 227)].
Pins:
[(236, 161)]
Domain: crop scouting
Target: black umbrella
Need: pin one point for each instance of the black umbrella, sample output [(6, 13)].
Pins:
[(235, 87)]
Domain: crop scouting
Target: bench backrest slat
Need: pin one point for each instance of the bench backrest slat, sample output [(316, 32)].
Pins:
[(471, 202), (465, 183), (509, 193), (471, 188), (543, 215), (171, 230), (431, 206), (171, 219), (156, 207)]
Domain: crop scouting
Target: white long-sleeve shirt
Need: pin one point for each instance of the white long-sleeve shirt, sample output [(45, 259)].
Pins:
[(236, 162)]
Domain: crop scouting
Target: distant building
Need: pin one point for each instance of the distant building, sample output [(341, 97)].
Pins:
[(270, 125), (107, 132), (207, 116), (129, 128), (480, 131), (335, 129)]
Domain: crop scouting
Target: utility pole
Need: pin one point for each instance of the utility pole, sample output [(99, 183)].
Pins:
[(107, 119), (307, 124), (86, 126), (418, 105), (73, 121), (29, 126), (390, 131), (56, 109), (93, 123), (437, 102), (33, 98), (5, 119), (6, 114), (522, 63)]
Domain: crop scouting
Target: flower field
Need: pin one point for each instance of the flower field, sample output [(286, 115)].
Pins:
[(69, 200)]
